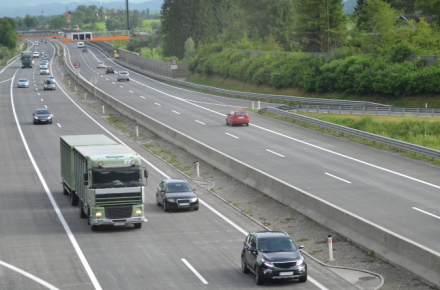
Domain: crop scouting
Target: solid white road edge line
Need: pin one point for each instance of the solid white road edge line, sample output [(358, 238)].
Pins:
[(337, 178), (274, 153), (231, 135), (425, 212), (53, 202), (200, 122), (30, 276), (194, 271), (166, 176)]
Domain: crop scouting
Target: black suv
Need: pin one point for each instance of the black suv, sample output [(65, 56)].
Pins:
[(273, 255), (176, 194)]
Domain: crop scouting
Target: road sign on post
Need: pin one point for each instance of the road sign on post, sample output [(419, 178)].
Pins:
[(77, 66), (174, 64)]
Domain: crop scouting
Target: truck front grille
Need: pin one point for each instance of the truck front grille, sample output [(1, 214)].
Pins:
[(118, 212), (118, 199)]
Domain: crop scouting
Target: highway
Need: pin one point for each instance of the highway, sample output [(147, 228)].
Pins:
[(397, 193), (46, 245)]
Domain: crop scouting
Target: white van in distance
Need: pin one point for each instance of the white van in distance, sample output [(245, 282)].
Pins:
[(80, 44)]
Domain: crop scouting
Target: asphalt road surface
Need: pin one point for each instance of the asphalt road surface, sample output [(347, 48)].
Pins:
[(46, 245), (389, 190)]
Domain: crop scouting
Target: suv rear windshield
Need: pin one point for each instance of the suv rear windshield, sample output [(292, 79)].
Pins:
[(281, 244)]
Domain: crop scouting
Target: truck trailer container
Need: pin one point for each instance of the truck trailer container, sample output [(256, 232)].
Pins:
[(26, 59), (104, 179)]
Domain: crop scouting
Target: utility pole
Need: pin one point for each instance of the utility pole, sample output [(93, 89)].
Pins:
[(128, 12)]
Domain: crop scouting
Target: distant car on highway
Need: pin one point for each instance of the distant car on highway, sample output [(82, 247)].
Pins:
[(44, 70), (23, 83), (42, 116), (273, 256), (176, 194), (40, 52), (37, 43), (49, 78), (237, 118), (85, 49), (123, 75), (44, 62), (109, 70), (49, 85), (36, 54), (101, 64)]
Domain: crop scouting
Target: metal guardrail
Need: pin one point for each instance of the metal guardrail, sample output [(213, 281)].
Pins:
[(416, 112), (400, 145)]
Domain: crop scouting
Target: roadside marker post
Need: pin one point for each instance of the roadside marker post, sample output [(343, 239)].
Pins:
[(137, 132), (198, 168), (330, 248)]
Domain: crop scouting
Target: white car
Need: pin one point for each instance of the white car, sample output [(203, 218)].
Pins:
[(36, 54), (123, 75), (101, 64), (44, 71)]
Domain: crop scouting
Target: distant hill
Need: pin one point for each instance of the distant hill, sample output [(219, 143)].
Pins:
[(22, 7)]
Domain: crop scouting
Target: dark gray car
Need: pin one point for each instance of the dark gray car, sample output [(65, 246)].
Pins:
[(176, 194), (42, 116), (273, 256)]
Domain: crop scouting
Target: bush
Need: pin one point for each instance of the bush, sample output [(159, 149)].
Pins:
[(356, 74)]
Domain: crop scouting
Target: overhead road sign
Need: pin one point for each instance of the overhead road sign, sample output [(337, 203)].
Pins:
[(96, 36)]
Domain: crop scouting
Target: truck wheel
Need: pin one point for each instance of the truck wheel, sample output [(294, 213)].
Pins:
[(82, 213), (138, 226), (73, 199), (94, 228)]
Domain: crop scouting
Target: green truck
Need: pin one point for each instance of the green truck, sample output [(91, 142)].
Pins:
[(26, 59), (104, 179)]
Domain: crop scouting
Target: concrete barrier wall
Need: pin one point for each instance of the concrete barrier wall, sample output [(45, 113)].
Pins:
[(157, 67), (403, 252)]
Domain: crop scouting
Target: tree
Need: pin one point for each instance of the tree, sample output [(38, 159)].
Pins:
[(379, 29), (58, 22), (135, 20), (151, 43), (429, 8), (134, 45), (320, 24), (113, 24), (31, 21), (78, 18), (8, 33), (190, 50), (406, 6)]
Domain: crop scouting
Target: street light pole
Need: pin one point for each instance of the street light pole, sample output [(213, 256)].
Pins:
[(128, 17)]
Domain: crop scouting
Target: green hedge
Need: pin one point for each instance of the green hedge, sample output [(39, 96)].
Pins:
[(355, 74)]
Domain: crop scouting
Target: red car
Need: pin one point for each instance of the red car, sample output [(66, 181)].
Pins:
[(237, 117)]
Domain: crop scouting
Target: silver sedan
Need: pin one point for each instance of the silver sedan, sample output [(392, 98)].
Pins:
[(23, 83)]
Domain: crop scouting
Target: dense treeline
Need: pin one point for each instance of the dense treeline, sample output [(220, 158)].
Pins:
[(377, 27), (354, 74)]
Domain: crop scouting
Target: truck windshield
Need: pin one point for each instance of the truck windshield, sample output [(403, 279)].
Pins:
[(116, 177)]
